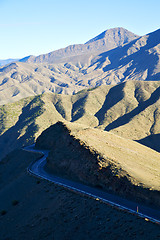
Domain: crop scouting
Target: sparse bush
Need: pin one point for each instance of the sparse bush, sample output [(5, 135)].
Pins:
[(141, 232), (15, 202), (3, 212)]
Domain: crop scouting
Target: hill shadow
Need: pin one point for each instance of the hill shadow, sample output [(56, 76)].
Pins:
[(78, 108), (151, 141), (141, 107), (140, 60), (114, 95), (11, 139)]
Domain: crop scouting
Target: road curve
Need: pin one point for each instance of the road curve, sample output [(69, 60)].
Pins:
[(37, 169)]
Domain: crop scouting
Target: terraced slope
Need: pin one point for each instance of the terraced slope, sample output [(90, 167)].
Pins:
[(130, 109)]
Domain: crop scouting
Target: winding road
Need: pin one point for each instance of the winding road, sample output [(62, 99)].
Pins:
[(37, 169)]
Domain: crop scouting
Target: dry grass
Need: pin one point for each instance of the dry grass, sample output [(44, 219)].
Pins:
[(141, 163)]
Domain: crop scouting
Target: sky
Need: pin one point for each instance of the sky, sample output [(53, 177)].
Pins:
[(34, 27)]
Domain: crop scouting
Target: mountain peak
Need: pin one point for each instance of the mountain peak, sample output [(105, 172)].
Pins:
[(105, 41), (118, 34)]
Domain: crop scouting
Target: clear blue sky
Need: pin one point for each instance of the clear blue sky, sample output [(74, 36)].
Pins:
[(33, 27)]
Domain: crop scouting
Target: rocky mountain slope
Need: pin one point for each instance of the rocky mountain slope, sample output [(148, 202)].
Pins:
[(102, 159), (105, 41), (18, 80), (137, 60), (130, 109)]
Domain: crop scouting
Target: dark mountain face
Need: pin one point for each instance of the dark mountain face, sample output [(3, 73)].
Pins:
[(139, 59)]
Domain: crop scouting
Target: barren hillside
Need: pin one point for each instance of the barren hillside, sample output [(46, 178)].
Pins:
[(130, 109), (105, 41), (137, 60), (62, 71)]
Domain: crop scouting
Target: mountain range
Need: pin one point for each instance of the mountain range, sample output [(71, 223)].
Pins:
[(121, 109), (137, 59), (105, 41), (95, 132)]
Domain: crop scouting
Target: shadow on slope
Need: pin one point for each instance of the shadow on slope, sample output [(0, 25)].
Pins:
[(141, 107), (140, 60), (78, 108), (151, 141), (23, 132), (46, 211), (114, 96), (72, 158)]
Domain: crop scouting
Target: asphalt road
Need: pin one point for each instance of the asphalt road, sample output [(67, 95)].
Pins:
[(37, 169)]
